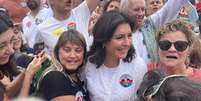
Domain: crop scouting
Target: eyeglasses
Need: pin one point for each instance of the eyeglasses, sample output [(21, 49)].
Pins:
[(179, 45), (151, 91)]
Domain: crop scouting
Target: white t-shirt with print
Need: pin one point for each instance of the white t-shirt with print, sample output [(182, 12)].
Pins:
[(51, 29), (115, 84), (30, 23)]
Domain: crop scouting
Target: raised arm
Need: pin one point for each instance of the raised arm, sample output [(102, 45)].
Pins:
[(168, 12), (31, 70), (92, 4)]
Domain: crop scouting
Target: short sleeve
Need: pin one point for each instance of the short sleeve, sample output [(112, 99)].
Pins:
[(55, 84), (82, 12)]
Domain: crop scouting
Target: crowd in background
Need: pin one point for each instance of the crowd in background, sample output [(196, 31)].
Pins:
[(100, 50)]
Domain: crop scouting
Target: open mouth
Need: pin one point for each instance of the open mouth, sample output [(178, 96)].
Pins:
[(123, 50), (171, 57), (72, 61)]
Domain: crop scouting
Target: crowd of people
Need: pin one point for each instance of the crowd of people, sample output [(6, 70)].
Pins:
[(100, 50)]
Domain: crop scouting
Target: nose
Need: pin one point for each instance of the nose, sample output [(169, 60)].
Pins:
[(141, 12), (72, 54), (127, 41), (172, 48)]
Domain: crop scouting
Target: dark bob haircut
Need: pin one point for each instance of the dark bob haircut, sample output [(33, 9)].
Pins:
[(103, 32)]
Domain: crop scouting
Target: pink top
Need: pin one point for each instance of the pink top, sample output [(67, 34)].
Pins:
[(195, 75)]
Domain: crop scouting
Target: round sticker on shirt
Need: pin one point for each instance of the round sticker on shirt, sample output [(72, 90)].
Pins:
[(71, 25), (126, 80), (79, 96)]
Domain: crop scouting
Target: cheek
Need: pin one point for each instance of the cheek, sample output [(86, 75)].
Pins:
[(131, 12), (1, 53), (183, 56), (110, 48), (81, 57), (161, 54), (61, 55)]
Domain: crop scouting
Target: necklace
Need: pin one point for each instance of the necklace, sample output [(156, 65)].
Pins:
[(73, 82)]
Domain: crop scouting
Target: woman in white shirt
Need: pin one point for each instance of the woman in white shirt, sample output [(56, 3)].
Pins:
[(113, 72)]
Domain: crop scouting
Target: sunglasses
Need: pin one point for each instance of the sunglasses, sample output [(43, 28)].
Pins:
[(151, 91), (179, 45)]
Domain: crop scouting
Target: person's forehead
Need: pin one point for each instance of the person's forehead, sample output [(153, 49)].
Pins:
[(5, 36), (137, 2), (174, 35)]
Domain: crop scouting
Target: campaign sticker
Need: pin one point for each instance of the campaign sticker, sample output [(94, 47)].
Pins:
[(126, 80), (79, 96), (71, 25)]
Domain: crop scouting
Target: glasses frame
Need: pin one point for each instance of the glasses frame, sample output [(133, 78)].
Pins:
[(174, 43)]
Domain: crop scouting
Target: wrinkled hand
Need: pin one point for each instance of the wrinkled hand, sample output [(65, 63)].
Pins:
[(35, 64)]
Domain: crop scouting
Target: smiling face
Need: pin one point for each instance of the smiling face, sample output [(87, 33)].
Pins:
[(17, 41), (153, 6), (172, 57), (120, 43), (136, 8), (71, 56), (6, 46)]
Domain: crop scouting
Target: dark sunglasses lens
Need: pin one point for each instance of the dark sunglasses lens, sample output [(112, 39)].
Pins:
[(181, 45), (164, 45)]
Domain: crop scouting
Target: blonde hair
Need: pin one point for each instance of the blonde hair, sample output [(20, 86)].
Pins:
[(195, 45)]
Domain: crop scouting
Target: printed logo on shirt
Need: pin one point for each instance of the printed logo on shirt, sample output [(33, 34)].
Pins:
[(57, 32), (126, 80), (71, 25), (79, 96)]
